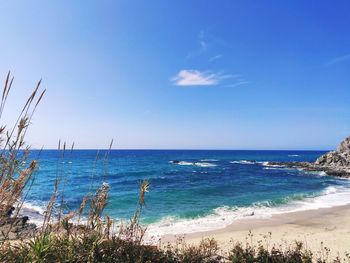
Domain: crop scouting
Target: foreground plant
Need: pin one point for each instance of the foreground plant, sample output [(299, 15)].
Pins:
[(15, 173), (15, 183)]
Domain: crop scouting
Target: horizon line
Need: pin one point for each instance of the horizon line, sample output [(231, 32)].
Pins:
[(177, 149)]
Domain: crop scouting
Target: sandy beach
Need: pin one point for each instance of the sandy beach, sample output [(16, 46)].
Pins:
[(328, 225)]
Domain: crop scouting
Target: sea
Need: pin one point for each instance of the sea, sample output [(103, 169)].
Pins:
[(190, 190)]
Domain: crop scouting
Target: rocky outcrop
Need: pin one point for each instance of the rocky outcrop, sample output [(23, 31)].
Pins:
[(336, 163), (344, 145), (16, 227), (337, 159)]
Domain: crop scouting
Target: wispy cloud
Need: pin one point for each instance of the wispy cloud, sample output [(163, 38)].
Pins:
[(191, 77), (206, 44), (238, 83), (203, 45), (214, 58), (338, 60)]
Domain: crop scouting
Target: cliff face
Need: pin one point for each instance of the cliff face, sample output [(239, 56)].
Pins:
[(339, 159)]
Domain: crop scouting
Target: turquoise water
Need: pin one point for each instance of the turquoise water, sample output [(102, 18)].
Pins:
[(207, 189)]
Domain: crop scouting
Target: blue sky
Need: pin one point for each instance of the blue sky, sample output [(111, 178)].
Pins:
[(181, 74)]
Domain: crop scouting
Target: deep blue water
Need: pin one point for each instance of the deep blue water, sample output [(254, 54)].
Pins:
[(219, 185)]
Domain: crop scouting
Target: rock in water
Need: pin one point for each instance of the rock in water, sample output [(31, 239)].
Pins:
[(337, 159), (335, 163)]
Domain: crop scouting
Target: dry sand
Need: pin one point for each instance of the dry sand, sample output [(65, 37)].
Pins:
[(328, 225)]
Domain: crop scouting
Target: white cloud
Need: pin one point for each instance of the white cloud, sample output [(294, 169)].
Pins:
[(188, 77), (338, 59), (214, 58), (239, 83)]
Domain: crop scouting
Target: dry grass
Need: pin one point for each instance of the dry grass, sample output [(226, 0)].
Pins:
[(16, 179), (15, 175)]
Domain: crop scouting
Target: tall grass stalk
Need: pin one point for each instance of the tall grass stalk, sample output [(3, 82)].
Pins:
[(14, 174)]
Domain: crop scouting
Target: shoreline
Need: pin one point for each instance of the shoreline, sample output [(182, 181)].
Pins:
[(328, 225)]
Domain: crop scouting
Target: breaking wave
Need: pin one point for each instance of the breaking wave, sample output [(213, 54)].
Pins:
[(200, 164), (225, 215)]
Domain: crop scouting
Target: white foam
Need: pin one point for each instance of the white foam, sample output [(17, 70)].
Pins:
[(273, 168), (34, 208), (293, 155), (267, 164), (224, 216), (209, 160), (330, 190), (243, 162), (200, 164), (322, 173), (317, 173), (220, 217), (205, 164), (182, 163), (35, 212)]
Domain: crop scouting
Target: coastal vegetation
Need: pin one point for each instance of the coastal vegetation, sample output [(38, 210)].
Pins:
[(88, 234)]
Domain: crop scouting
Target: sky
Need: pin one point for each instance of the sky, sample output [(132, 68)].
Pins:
[(180, 74)]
